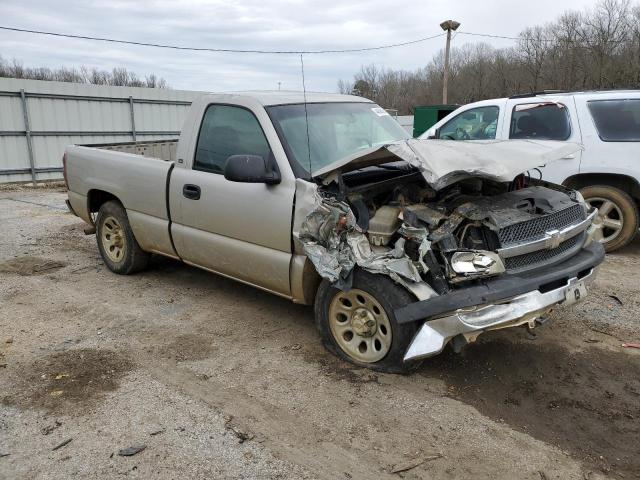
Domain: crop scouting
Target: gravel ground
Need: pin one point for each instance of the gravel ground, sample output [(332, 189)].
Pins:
[(219, 380)]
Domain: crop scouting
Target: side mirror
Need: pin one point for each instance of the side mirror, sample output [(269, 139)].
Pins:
[(252, 169), (436, 134)]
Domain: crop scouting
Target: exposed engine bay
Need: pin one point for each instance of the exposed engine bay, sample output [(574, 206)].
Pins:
[(387, 219)]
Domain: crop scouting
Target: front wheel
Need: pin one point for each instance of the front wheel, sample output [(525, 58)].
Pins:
[(617, 212), (359, 324)]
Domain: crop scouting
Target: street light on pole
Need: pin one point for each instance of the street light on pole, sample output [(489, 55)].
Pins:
[(448, 26)]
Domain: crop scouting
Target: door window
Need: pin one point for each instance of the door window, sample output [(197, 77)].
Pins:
[(227, 131), (474, 124), (617, 120), (543, 121)]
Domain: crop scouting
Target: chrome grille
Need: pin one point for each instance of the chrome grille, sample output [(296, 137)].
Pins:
[(535, 229), (541, 257)]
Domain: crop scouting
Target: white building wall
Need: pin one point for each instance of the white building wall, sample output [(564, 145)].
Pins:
[(62, 113)]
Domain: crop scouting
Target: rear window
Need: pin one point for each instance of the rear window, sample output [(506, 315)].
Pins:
[(543, 121), (617, 120)]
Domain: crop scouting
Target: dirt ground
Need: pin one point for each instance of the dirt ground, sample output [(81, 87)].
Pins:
[(219, 380)]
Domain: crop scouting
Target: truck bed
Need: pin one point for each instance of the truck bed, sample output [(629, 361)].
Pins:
[(139, 181), (161, 149)]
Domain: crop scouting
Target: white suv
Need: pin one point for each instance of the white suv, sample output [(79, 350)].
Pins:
[(606, 123)]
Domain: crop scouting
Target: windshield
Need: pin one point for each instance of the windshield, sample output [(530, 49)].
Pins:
[(336, 130)]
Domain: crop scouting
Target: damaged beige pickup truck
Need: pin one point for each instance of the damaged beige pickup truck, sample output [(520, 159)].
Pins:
[(403, 245)]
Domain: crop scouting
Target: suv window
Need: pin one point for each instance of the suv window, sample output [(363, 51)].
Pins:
[(617, 120), (474, 124), (226, 131), (545, 121)]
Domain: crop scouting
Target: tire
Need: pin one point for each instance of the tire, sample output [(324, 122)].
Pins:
[(620, 208), (118, 247), (385, 342)]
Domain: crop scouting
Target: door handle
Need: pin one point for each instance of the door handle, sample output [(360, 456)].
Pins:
[(191, 192)]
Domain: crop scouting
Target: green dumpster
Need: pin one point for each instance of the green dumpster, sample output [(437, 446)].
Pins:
[(425, 116)]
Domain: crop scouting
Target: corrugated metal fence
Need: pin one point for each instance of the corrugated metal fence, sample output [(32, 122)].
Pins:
[(39, 119)]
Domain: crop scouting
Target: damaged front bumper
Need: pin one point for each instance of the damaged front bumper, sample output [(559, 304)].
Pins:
[(507, 301)]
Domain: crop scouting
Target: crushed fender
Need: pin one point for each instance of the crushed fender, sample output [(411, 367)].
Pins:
[(335, 244)]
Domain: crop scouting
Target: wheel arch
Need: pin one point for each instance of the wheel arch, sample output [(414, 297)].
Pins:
[(96, 198), (304, 280), (623, 182)]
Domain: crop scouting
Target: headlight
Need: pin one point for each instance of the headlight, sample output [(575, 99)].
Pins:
[(475, 263)]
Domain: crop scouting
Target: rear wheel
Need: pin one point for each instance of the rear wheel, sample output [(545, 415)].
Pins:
[(118, 247), (618, 213), (359, 325)]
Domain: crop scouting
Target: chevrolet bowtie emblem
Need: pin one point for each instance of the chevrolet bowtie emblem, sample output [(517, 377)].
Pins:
[(553, 239)]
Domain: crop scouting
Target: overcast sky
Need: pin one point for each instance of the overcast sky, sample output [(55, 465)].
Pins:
[(252, 24)]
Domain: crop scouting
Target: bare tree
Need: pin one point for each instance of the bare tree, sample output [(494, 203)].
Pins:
[(594, 49), (118, 76)]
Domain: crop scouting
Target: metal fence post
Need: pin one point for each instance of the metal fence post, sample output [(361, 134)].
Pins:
[(133, 119), (27, 128)]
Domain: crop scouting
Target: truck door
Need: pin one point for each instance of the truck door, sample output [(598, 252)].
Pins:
[(239, 230), (551, 118)]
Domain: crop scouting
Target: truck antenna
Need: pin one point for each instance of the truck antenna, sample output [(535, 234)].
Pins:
[(306, 116)]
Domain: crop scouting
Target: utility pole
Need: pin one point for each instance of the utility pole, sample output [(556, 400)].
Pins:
[(448, 26)]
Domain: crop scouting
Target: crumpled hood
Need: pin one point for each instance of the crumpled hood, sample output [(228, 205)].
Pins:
[(444, 162)]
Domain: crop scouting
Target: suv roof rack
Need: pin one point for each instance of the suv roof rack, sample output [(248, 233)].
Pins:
[(534, 94)]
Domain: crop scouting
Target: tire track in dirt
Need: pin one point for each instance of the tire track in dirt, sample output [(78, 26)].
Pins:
[(286, 435), (585, 402)]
